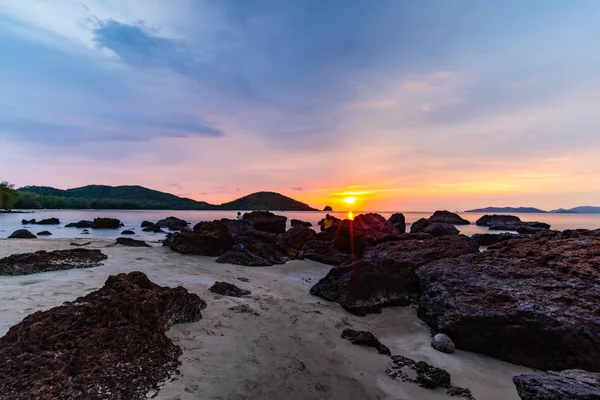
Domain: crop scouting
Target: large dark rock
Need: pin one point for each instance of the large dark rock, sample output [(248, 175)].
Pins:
[(22, 234), (433, 228), (447, 217), (386, 277), (153, 228), (110, 344), (488, 239), (565, 385), (327, 208), (325, 252), (530, 301), (106, 223), (397, 222), (49, 221), (173, 224), (294, 222), (294, 239), (28, 221), (146, 224), (365, 338), (228, 289), (266, 221), (125, 241), (207, 239), (81, 224), (42, 261), (497, 219)]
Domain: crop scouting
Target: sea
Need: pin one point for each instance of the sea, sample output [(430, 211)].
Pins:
[(132, 219)]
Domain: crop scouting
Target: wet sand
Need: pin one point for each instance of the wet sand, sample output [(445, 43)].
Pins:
[(291, 350)]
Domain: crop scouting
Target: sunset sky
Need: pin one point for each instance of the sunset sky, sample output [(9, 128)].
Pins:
[(404, 105)]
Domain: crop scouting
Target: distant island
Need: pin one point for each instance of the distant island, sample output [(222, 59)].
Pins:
[(523, 210), (141, 198)]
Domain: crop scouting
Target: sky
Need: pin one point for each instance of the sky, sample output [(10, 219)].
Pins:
[(403, 105)]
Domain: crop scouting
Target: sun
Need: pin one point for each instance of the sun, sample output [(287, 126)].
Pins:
[(350, 200)]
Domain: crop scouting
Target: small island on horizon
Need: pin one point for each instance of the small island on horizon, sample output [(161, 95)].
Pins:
[(526, 210)]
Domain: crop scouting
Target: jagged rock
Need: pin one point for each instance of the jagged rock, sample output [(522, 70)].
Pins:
[(42, 261), (497, 219), (110, 344), (432, 377), (294, 239), (207, 239), (241, 257), (325, 252), (266, 221), (228, 289), (173, 224), (397, 222), (146, 224), (365, 338), (105, 223), (128, 232), (327, 208), (22, 234), (386, 276), (443, 343), (295, 222), (488, 239), (49, 221), (448, 217), (153, 228), (433, 228), (44, 233), (28, 221), (531, 301), (125, 241), (565, 385)]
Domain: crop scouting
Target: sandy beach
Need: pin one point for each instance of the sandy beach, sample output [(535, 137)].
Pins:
[(290, 348)]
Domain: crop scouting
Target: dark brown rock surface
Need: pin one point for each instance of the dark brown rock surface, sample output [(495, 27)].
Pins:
[(565, 385), (433, 228), (448, 217), (530, 301), (22, 234), (42, 261), (110, 344), (106, 223), (266, 221), (210, 238)]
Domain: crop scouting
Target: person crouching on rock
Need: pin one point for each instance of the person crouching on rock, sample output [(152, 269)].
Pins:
[(327, 222), (239, 216)]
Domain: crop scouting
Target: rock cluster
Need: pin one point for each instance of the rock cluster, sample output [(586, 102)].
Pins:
[(511, 223), (42, 261), (110, 344), (47, 221), (170, 223)]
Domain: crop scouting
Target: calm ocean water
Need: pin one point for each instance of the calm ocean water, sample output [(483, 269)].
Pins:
[(133, 219)]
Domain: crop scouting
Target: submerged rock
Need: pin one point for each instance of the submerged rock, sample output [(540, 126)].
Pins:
[(531, 301), (28, 221), (44, 233), (110, 344), (22, 234), (448, 217), (125, 241), (565, 385), (49, 221), (153, 228), (128, 232), (228, 289), (173, 224), (365, 338), (42, 261), (105, 223)]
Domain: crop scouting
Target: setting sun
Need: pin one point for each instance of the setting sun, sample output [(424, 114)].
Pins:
[(350, 200)]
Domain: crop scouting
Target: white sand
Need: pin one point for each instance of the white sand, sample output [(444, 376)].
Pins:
[(292, 350)]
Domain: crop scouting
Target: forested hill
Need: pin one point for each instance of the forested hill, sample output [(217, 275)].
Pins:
[(266, 201), (141, 198)]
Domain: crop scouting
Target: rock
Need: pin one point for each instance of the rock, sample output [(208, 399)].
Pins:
[(71, 225), (448, 217), (105, 223), (28, 221), (294, 239), (228, 289), (529, 230), (327, 208), (244, 308), (44, 233), (79, 244), (533, 227), (531, 301), (243, 279), (295, 222), (365, 338), (49, 221), (565, 385), (241, 257), (22, 234), (397, 222), (207, 239), (85, 232), (125, 241), (153, 228), (128, 232), (266, 221), (432, 377), (488, 239), (173, 224), (386, 275), (497, 219), (42, 261), (433, 228), (325, 252), (443, 343), (110, 344), (80, 224), (146, 224)]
